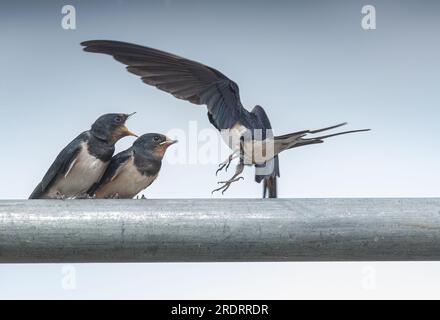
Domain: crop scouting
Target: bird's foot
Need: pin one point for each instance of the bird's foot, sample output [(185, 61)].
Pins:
[(221, 166), (225, 164), (60, 196), (114, 197), (143, 197), (86, 197), (226, 185)]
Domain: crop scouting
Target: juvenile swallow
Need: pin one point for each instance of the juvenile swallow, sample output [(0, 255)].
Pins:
[(133, 170), (202, 85), (83, 162)]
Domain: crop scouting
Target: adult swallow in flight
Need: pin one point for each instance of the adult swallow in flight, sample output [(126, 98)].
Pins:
[(83, 162), (199, 84)]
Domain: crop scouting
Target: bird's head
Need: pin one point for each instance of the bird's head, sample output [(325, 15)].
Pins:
[(154, 143), (111, 127)]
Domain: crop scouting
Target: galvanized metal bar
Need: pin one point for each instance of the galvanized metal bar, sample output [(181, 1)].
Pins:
[(211, 230)]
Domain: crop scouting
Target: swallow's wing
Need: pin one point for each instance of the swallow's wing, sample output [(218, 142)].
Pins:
[(183, 78), (113, 170), (61, 166), (270, 170)]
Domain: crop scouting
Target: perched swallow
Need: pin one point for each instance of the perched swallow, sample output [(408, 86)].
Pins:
[(133, 170), (83, 162), (203, 85)]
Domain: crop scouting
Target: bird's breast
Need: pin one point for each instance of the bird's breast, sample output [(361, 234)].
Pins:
[(127, 184), (83, 172), (255, 151), (232, 136), (258, 151)]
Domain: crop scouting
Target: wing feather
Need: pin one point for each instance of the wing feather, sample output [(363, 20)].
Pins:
[(114, 168), (61, 166), (184, 79)]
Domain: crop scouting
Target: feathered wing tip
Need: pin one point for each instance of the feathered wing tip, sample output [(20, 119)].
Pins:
[(37, 193), (268, 173), (270, 187)]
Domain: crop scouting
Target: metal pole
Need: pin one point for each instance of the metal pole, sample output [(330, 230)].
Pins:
[(211, 230)]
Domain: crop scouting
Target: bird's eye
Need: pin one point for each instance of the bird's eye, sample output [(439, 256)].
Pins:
[(118, 119), (156, 138)]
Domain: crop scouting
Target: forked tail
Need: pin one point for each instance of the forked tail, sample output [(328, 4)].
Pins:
[(299, 139)]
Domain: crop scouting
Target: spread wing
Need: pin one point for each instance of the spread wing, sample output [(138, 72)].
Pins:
[(61, 166), (183, 78), (113, 170)]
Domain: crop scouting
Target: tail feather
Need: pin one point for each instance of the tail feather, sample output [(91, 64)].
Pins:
[(328, 128), (305, 132), (339, 134), (268, 173), (298, 139)]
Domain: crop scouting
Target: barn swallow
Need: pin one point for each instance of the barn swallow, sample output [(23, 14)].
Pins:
[(133, 170), (202, 85), (83, 162)]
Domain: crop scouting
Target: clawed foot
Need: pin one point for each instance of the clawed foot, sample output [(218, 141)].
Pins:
[(60, 196), (226, 185), (114, 197), (225, 164), (86, 197), (220, 167)]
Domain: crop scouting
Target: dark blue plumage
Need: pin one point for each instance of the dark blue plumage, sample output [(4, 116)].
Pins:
[(84, 160), (134, 169)]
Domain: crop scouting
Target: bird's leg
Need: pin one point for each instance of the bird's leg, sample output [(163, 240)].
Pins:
[(60, 196), (86, 196), (227, 162), (114, 196), (235, 178)]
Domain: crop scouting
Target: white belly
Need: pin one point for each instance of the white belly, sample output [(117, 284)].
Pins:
[(127, 184), (84, 172), (258, 152), (255, 151)]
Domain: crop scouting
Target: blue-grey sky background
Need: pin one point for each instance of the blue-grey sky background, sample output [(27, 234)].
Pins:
[(309, 63)]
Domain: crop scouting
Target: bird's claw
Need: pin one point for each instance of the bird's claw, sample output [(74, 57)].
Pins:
[(224, 164), (60, 196), (221, 167), (231, 181), (226, 185), (86, 196)]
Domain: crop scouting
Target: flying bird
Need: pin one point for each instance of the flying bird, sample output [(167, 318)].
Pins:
[(133, 170), (83, 162), (202, 85)]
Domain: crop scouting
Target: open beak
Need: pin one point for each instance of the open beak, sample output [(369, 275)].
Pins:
[(168, 142), (125, 132), (130, 115)]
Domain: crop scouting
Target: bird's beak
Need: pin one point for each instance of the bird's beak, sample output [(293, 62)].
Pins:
[(125, 132), (130, 115), (168, 142)]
